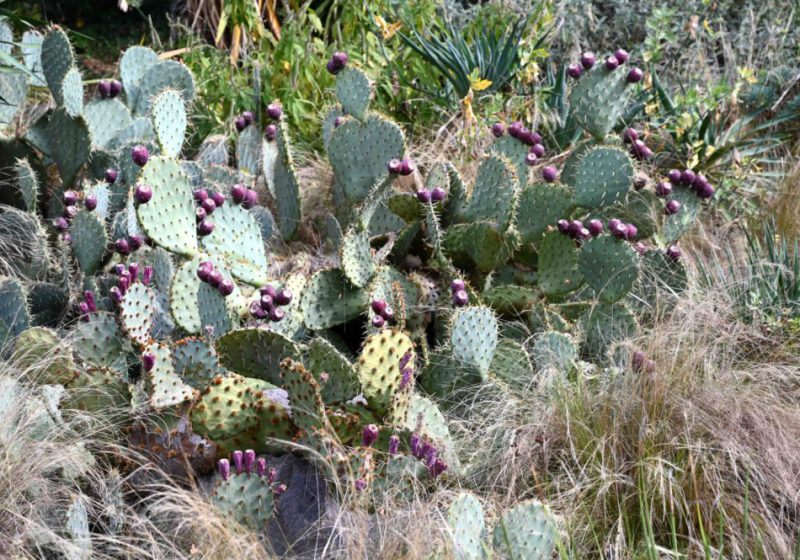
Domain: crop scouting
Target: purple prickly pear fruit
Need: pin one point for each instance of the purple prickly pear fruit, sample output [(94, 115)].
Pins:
[(148, 361), (672, 207), (249, 460), (675, 176), (635, 75), (143, 194), (83, 309), (378, 306), (394, 166), (270, 132), (673, 252), (90, 202), (457, 284), (337, 122), (218, 198), (360, 485), (215, 278), (116, 88), (200, 195), (70, 212), (88, 297), (707, 191), (588, 60), (140, 155), (640, 182), (209, 205), (272, 475), (331, 67), (224, 468), (268, 290), (200, 214), (123, 283), (563, 226), (206, 227), (261, 466), (115, 294), (640, 248), (408, 167), (238, 461), (104, 88), (276, 314), (274, 110), (394, 445), (613, 223), (251, 199), (339, 60), (621, 55), (575, 227), (388, 314), (630, 135), (538, 149), (428, 452), (133, 270), (515, 128), (226, 287), (438, 467), (537, 138), (122, 246), (256, 310), (248, 117), (527, 137), (70, 198), (637, 360), (279, 489), (650, 366), (67, 238), (111, 175), (121, 270), (204, 270), (240, 124), (378, 321), (611, 63), (415, 444), (595, 227), (645, 153), (583, 234), (549, 173), (135, 242), (147, 275), (369, 435), (619, 231), (460, 298), (238, 193), (631, 231), (498, 130), (663, 188), (531, 159), (438, 194), (574, 71), (424, 196), (284, 297)]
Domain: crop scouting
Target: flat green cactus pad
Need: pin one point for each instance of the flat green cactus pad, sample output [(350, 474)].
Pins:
[(196, 362), (292, 324), (40, 351), (356, 256), (13, 90), (514, 151), (359, 152), (542, 205), (102, 194), (88, 241), (510, 298), (603, 176), (236, 240), (526, 532), (512, 364), (603, 325), (473, 338), (31, 48), (13, 309), (168, 219), (248, 150), (383, 357), (138, 131), (98, 340), (27, 184), (167, 74), (256, 353), (278, 166), (467, 523), (137, 312), (196, 305), (57, 59), (167, 387), (72, 92), (308, 410), (133, 65), (599, 99), (99, 390), (424, 416), (169, 121), (610, 266), (329, 300), (495, 194), (226, 408), (353, 91), (69, 144), (558, 265), (554, 351), (329, 124), (407, 206), (333, 371), (163, 268), (679, 223), (479, 243), (247, 498)]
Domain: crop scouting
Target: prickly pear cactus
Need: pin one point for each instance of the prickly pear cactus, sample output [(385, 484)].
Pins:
[(525, 532), (468, 525)]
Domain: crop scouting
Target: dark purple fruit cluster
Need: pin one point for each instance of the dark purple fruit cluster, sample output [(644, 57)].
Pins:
[(246, 462), (436, 195), (109, 89), (458, 291), (88, 305), (641, 363), (274, 112), (383, 313), (244, 196), (673, 253), (337, 63), (579, 231), (520, 132), (70, 200), (127, 245), (127, 275), (611, 63), (401, 166), (697, 182), (206, 203), (269, 303), (638, 148), (425, 451), (244, 120), (214, 278)]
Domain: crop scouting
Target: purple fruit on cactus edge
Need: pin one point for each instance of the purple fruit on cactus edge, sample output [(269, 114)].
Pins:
[(147, 275), (388, 314), (437, 468), (337, 122), (135, 242), (537, 139), (339, 60), (83, 308), (226, 287), (122, 246), (637, 360), (630, 135), (673, 252), (121, 270), (115, 294), (613, 223), (256, 311), (563, 226), (611, 63), (595, 227), (574, 71), (415, 444), (248, 117), (123, 283), (549, 173), (640, 248), (268, 290), (70, 198), (394, 445), (672, 207), (148, 361), (238, 193), (378, 321), (707, 191), (621, 55), (266, 302), (133, 271), (588, 60), (238, 461), (331, 67), (498, 130), (104, 88), (394, 166), (424, 196), (251, 199), (515, 128), (583, 234), (631, 231), (675, 176), (284, 297), (224, 468), (407, 167), (538, 149), (438, 194), (89, 298), (140, 155), (209, 205), (200, 195), (115, 88), (143, 194), (249, 460), (276, 315), (218, 198), (200, 214), (90, 202), (274, 110), (360, 485), (206, 227), (635, 75), (663, 188), (369, 435), (240, 124), (457, 284), (619, 230), (575, 226), (70, 212), (378, 306), (261, 466), (271, 132), (531, 159), (204, 270), (645, 153), (460, 298), (111, 175), (528, 137)]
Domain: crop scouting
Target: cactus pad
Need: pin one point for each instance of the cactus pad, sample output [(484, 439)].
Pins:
[(133, 65), (99, 390), (137, 312), (245, 497), (27, 184), (554, 351), (98, 340), (542, 205), (226, 408), (468, 526), (40, 350), (167, 387), (256, 353), (339, 382), (558, 265), (13, 309), (248, 150), (69, 144), (474, 338), (603, 325), (384, 355), (195, 304), (72, 92), (494, 196), (356, 256), (353, 91), (278, 166), (308, 410), (603, 175), (169, 122), (510, 298), (329, 300), (526, 532), (679, 223), (515, 151), (195, 361), (236, 240), (610, 266), (167, 74), (479, 243), (292, 324), (512, 364), (88, 241), (599, 99), (57, 60)]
